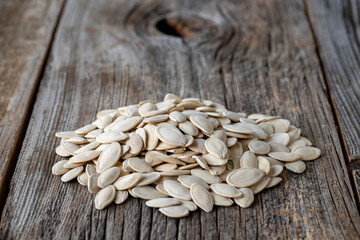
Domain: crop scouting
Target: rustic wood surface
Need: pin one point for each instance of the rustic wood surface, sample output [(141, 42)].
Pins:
[(26, 29), (253, 56), (336, 27)]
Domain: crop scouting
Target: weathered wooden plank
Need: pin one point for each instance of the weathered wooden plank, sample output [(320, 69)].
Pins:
[(26, 29), (337, 30), (356, 176), (254, 56)]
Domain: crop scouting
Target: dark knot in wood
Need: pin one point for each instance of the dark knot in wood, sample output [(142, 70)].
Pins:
[(188, 27)]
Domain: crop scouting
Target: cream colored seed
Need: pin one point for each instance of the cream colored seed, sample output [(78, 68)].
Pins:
[(147, 192), (225, 190), (188, 180), (109, 157), (216, 147), (127, 181), (244, 177), (206, 176), (246, 200), (108, 177), (296, 167), (221, 201), (273, 182), (176, 190), (93, 183), (71, 174), (202, 123), (110, 137), (104, 197), (121, 196), (58, 168), (307, 153), (162, 202), (202, 197), (175, 211), (171, 135), (83, 179), (284, 156)]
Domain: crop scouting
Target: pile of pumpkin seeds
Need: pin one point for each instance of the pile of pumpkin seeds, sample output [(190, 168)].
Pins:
[(181, 154)]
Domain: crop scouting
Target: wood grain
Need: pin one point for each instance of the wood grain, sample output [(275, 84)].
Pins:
[(253, 56), (26, 29), (337, 31)]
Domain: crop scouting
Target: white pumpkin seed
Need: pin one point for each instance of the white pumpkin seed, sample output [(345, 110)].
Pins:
[(71, 174), (93, 183), (104, 197), (108, 177), (248, 160), (111, 136), (174, 211), (216, 147), (307, 153), (83, 179), (221, 201), (202, 197), (259, 147), (127, 181), (109, 157), (147, 192), (296, 167), (206, 176), (171, 136), (246, 200), (148, 178), (58, 168), (225, 190), (162, 202), (244, 177), (176, 190), (121, 196), (202, 123), (284, 156)]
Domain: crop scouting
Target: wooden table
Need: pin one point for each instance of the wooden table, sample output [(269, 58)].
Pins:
[(63, 61)]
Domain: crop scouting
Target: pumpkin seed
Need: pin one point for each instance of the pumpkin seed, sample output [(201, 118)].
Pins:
[(307, 153), (127, 181), (104, 197), (225, 190), (121, 196), (188, 180), (171, 136), (71, 174), (109, 157), (147, 192), (221, 201), (273, 182), (259, 147), (247, 199), (284, 156), (176, 190), (108, 177), (296, 167), (110, 137), (244, 177), (248, 160), (202, 197), (206, 176), (216, 147), (58, 168), (175, 211), (162, 202)]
